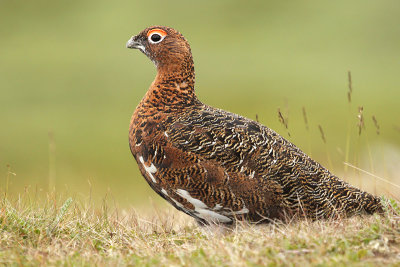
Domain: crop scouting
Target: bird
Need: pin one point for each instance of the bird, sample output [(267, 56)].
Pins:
[(220, 167)]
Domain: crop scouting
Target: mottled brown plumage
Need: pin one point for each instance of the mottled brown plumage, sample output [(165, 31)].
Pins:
[(217, 166)]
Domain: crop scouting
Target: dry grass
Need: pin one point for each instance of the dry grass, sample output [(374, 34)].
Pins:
[(48, 234)]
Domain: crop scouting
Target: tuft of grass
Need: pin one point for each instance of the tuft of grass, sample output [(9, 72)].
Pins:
[(77, 234), (60, 216)]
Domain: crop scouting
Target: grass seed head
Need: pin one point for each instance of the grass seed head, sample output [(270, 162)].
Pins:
[(322, 133), (305, 117), (376, 124), (361, 122), (349, 93), (283, 120)]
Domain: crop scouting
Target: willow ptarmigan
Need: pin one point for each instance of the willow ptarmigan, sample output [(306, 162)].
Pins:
[(217, 166)]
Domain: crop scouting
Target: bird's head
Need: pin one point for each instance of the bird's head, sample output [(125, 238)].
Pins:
[(165, 46)]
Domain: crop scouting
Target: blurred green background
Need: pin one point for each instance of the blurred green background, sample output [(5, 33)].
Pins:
[(68, 85)]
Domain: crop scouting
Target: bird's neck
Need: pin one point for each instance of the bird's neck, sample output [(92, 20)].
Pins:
[(179, 69), (173, 86)]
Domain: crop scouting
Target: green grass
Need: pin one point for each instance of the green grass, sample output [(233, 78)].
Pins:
[(72, 233)]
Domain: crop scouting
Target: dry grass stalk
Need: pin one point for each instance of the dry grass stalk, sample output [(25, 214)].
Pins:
[(283, 120), (361, 122), (305, 117), (376, 124), (322, 133), (349, 93)]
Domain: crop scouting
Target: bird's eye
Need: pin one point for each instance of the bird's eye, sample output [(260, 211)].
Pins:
[(155, 36)]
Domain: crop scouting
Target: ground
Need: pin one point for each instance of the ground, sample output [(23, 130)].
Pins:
[(71, 232)]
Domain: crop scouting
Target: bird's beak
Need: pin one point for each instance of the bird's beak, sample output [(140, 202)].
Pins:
[(133, 43)]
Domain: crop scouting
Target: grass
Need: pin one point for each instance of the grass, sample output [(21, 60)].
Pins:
[(73, 233)]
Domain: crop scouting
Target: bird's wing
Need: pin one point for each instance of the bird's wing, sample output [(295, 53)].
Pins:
[(236, 143), (247, 148)]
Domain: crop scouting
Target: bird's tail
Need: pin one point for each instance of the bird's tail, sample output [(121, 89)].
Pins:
[(349, 200)]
